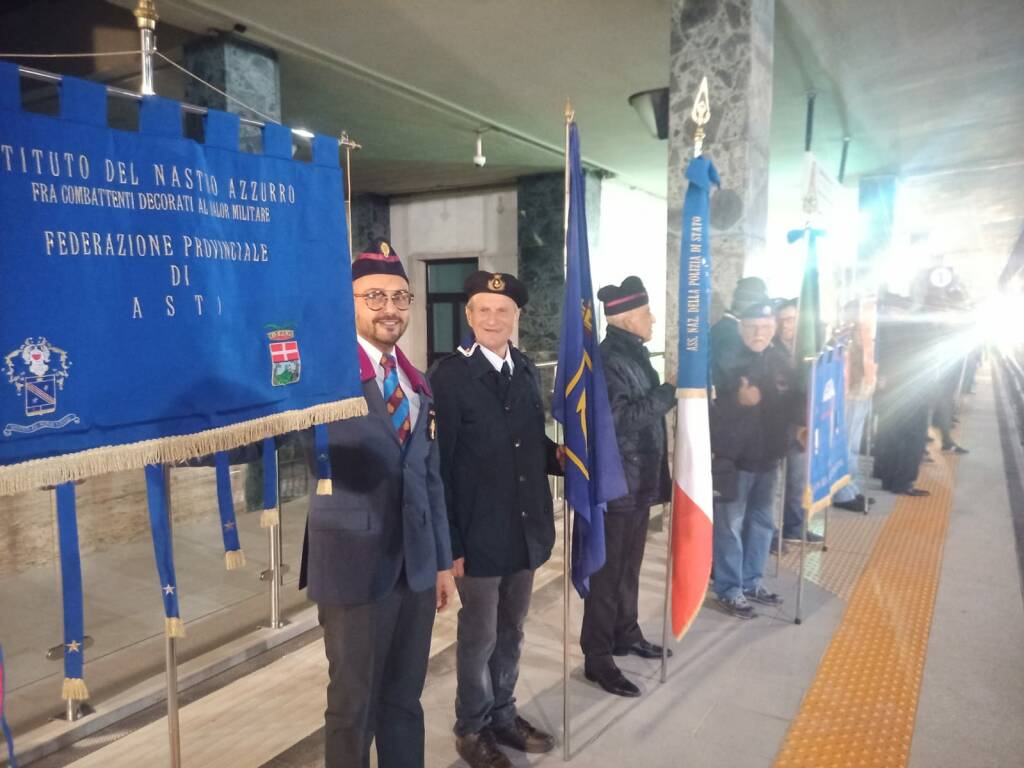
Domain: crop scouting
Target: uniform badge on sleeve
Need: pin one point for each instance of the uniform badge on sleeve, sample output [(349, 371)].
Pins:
[(432, 424)]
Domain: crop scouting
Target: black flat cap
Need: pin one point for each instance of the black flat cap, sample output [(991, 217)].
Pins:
[(622, 298), (500, 283)]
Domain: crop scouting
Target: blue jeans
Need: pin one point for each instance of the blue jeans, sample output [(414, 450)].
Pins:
[(856, 418), (743, 534), (796, 482)]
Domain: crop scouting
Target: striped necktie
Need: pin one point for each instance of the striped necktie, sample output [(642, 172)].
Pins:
[(395, 399)]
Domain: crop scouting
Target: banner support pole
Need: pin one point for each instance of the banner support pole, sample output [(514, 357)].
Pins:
[(780, 510), (171, 655), (146, 18), (566, 524), (666, 617)]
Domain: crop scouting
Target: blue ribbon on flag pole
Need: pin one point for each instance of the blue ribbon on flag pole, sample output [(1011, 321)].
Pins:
[(199, 278), (163, 548), (72, 595), (593, 467), (4, 727), (695, 284), (271, 514), (233, 556)]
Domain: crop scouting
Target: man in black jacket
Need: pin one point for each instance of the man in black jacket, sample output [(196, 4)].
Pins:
[(495, 459), (639, 403), (750, 421)]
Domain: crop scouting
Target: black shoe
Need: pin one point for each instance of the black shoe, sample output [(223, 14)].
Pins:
[(914, 492), (519, 734), (642, 648), (762, 596), (954, 448), (858, 504), (480, 750), (613, 681)]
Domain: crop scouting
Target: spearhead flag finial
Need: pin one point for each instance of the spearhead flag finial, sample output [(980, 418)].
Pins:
[(701, 114)]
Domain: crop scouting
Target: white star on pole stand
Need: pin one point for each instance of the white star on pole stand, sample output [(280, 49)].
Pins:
[(168, 590), (73, 646), (228, 526)]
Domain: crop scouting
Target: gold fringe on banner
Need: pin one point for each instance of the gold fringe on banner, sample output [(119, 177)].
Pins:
[(56, 470), (270, 517), (174, 627), (74, 689), (234, 559), (324, 487)]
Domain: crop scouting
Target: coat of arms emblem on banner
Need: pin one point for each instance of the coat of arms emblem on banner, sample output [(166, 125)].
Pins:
[(37, 369), (285, 364)]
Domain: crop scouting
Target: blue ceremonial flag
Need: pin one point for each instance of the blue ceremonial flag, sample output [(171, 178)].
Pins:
[(162, 298), (827, 449), (593, 469)]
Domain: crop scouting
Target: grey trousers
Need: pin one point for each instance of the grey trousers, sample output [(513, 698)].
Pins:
[(490, 642), (377, 659)]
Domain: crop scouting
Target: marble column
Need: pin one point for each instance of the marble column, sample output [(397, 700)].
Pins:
[(244, 71), (730, 42), (876, 203), (371, 218), (541, 236)]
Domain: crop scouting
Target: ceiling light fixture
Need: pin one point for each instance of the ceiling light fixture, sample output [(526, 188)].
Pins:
[(479, 159)]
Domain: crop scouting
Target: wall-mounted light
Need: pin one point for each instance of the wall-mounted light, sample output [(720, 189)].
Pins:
[(652, 106), (303, 133)]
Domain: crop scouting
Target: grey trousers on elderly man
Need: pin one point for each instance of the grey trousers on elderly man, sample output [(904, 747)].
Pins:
[(490, 641)]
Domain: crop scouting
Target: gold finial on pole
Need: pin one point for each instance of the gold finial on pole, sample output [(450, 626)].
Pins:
[(145, 14), (570, 113), (700, 114)]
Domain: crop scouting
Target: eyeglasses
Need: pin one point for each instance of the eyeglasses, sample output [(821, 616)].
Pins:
[(377, 300)]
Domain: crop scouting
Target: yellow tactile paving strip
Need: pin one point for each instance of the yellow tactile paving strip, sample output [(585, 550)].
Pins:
[(860, 709)]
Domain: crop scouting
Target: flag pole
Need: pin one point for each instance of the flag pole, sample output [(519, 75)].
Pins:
[(349, 145), (566, 532), (700, 114)]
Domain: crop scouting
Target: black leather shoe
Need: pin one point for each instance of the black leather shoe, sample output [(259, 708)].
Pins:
[(643, 648), (480, 750), (519, 734), (613, 681)]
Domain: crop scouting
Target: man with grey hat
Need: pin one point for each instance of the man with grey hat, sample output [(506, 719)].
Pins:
[(755, 402)]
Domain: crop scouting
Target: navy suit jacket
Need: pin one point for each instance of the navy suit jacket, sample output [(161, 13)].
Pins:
[(386, 514)]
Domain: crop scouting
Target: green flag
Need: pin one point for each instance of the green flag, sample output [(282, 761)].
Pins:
[(810, 331)]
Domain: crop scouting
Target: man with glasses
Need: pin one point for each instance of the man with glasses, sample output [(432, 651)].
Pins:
[(378, 551), (495, 459), (750, 419)]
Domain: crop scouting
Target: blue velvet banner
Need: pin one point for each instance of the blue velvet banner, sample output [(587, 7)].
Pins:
[(163, 298), (827, 450)]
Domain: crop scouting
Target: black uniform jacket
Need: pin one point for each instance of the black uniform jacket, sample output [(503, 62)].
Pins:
[(495, 459), (639, 403)]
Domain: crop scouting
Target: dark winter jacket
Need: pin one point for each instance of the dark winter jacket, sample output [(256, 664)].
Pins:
[(639, 403)]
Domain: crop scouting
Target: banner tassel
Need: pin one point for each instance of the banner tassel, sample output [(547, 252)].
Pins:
[(163, 548), (271, 514), (324, 487), (233, 555), (74, 688)]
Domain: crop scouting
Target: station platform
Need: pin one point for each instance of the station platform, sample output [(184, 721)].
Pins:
[(908, 654)]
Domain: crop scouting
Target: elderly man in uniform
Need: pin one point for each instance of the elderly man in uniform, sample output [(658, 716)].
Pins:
[(495, 459), (639, 403), (377, 557)]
